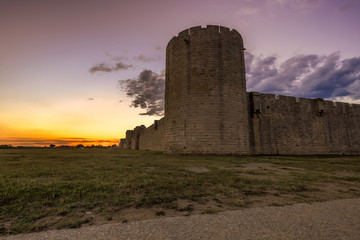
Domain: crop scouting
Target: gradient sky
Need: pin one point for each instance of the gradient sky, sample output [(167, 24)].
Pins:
[(48, 93)]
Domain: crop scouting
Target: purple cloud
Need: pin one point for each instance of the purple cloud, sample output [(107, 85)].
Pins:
[(142, 58), (305, 75), (103, 67)]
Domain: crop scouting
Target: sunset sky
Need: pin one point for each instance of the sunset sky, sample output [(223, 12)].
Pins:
[(64, 63)]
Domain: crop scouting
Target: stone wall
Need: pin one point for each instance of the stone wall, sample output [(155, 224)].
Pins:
[(128, 139), (122, 143), (289, 125), (208, 111), (135, 138), (205, 93), (153, 137)]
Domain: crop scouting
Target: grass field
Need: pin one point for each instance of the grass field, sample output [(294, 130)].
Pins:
[(66, 188)]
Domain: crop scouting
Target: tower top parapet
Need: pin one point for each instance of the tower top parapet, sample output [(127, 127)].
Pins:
[(212, 29)]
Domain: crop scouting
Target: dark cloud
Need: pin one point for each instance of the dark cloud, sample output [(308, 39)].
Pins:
[(103, 67), (311, 76), (347, 5), (121, 66), (259, 69), (147, 91), (142, 58)]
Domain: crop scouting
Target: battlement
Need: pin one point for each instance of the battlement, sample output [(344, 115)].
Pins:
[(279, 98), (209, 29), (155, 125), (261, 102)]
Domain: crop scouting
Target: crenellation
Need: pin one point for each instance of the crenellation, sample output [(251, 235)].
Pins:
[(208, 111), (224, 29), (282, 98), (195, 29), (214, 27), (184, 34), (356, 109), (268, 96), (129, 135), (171, 42), (122, 143)]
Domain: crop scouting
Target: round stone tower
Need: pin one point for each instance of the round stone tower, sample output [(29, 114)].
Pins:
[(206, 110)]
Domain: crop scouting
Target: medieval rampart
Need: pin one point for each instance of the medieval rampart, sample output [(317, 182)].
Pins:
[(153, 137), (208, 111), (289, 125), (126, 143)]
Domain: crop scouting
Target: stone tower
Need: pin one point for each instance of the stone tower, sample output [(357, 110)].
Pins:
[(205, 93)]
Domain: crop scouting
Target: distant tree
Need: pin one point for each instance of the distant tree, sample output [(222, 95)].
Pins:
[(80, 146), (92, 146), (114, 146), (51, 145), (6, 146), (64, 146)]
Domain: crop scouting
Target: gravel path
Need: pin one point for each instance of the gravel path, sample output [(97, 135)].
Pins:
[(339, 219)]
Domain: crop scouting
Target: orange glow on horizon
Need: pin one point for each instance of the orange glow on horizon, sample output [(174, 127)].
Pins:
[(72, 122), (41, 142)]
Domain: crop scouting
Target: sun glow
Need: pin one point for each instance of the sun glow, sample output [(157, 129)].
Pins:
[(71, 122)]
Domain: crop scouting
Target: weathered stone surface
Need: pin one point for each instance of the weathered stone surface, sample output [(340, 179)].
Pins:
[(153, 137), (208, 111), (286, 125), (205, 99)]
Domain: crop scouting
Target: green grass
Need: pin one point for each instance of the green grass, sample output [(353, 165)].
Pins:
[(55, 188)]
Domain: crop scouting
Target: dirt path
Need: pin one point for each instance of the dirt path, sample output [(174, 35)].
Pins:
[(339, 219)]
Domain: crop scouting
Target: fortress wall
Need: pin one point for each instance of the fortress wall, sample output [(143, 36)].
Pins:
[(153, 137), (127, 140), (208, 111), (133, 145), (205, 93), (122, 143), (135, 138), (288, 125)]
